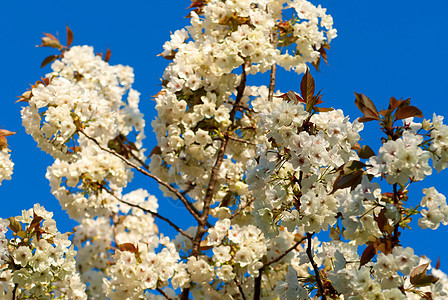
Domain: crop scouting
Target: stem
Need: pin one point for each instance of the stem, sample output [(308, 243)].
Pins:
[(257, 284), (14, 291), (181, 197), (154, 214), (315, 268), (286, 252)]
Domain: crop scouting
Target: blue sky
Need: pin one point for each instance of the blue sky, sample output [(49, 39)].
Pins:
[(384, 49)]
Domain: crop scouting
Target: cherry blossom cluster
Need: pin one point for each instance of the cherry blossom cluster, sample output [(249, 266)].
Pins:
[(38, 261), (201, 84), (6, 165), (84, 97)]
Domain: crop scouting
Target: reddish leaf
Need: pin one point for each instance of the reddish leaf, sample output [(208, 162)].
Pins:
[(69, 37), (307, 86), (367, 255), (367, 107), (407, 112), (108, 54), (323, 109), (156, 150), (49, 59), (4, 132), (51, 36), (3, 142), (438, 263)]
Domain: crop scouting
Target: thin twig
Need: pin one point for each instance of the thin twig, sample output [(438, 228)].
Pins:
[(155, 214), (240, 288), (163, 294), (273, 72), (315, 268), (146, 173), (240, 210), (286, 252), (257, 282), (241, 140)]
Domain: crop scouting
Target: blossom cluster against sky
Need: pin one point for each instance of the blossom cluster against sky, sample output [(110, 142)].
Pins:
[(383, 49)]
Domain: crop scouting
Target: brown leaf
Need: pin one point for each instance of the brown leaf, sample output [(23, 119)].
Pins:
[(14, 225), (203, 246), (4, 132), (384, 246), (3, 142), (128, 247), (421, 279), (383, 222), (407, 112), (438, 263), (323, 109), (291, 97), (108, 54), (49, 59), (367, 255), (367, 107), (366, 152), (35, 222), (50, 42), (156, 150), (69, 37), (25, 97), (351, 179), (307, 86), (49, 35)]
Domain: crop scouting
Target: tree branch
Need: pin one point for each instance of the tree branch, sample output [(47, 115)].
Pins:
[(241, 140), (214, 176), (146, 173), (249, 202), (155, 214), (315, 268), (240, 288), (257, 283), (273, 71), (163, 293)]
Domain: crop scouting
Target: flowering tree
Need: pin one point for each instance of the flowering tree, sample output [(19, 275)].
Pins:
[(262, 172)]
